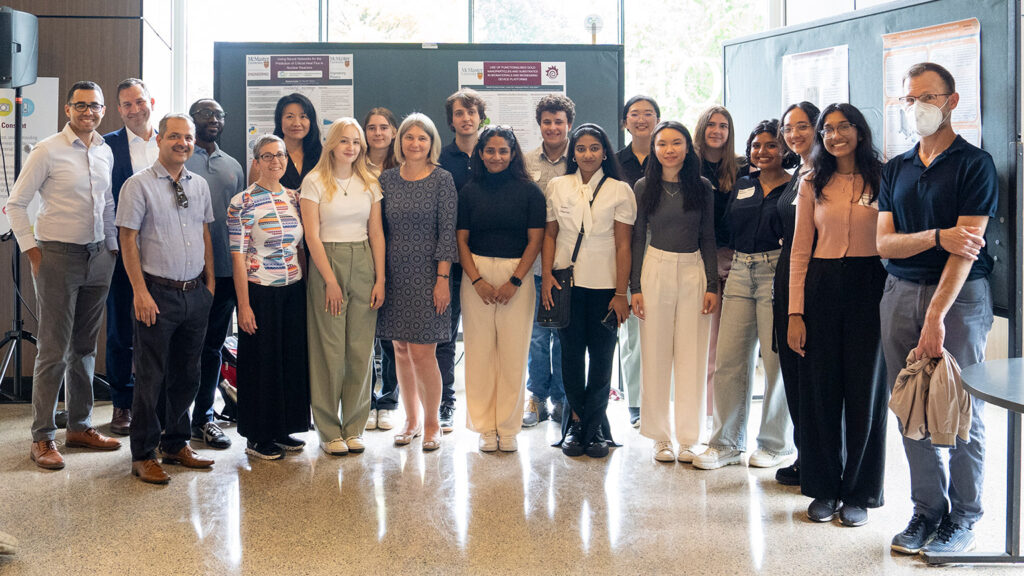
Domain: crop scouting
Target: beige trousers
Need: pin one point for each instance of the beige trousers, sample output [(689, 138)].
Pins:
[(674, 347), (497, 340)]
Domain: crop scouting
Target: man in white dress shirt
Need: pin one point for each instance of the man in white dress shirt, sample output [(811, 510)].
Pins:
[(72, 251)]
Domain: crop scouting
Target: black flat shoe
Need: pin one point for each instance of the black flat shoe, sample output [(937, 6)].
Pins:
[(572, 444)]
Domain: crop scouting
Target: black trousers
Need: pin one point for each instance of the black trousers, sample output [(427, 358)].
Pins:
[(120, 322), (445, 351), (587, 391), (273, 366), (843, 395), (384, 372), (167, 370), (789, 361), (216, 331)]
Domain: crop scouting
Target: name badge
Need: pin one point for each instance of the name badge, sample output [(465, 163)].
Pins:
[(864, 201), (745, 193), (566, 210)]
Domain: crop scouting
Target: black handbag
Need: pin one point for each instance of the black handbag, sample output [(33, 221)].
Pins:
[(558, 315)]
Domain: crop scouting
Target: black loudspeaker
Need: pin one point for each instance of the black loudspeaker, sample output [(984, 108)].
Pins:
[(19, 48)]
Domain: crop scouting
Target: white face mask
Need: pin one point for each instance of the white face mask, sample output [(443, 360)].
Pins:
[(924, 119)]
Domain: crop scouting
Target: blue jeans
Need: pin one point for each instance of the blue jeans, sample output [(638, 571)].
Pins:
[(934, 491), (747, 319), (544, 365)]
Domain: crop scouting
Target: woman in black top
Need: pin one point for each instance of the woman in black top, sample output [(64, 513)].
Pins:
[(797, 132), (679, 291), (295, 122), (500, 230), (747, 314)]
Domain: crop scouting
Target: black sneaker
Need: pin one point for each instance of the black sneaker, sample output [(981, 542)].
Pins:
[(599, 447), (446, 415), (556, 412), (790, 475), (853, 515), (212, 436), (264, 450), (634, 416), (950, 538), (290, 443), (822, 509), (572, 444), (918, 533)]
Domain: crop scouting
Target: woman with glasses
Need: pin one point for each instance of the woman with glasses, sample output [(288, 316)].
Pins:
[(798, 135), (714, 140), (419, 214), (380, 128), (834, 324), (342, 215), (266, 251), (674, 289), (591, 200), (639, 116), (500, 231), (747, 314), (296, 124)]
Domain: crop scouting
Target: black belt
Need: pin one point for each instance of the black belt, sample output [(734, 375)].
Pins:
[(185, 286)]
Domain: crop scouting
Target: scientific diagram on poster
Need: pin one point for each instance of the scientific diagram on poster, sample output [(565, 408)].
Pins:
[(954, 45), (512, 90), (326, 79), (821, 77)]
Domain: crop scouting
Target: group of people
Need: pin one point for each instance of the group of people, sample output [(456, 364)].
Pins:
[(688, 257)]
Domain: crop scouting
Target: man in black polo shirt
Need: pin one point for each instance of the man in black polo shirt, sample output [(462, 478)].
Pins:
[(465, 110), (934, 204)]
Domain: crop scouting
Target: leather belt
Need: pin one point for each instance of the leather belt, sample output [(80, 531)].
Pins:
[(184, 286)]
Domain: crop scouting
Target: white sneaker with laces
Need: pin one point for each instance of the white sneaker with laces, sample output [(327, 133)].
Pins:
[(687, 454), (336, 447), (355, 444), (508, 443), (765, 459), (489, 441), (663, 451), (371, 421), (714, 458), (385, 419)]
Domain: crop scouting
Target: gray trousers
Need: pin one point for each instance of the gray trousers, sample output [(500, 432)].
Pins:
[(71, 293), (935, 490)]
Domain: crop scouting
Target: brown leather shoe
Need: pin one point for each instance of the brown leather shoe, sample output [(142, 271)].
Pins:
[(188, 458), (90, 438), (44, 454), (122, 421), (150, 471)]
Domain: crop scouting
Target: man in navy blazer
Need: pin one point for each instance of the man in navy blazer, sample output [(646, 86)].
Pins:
[(134, 147)]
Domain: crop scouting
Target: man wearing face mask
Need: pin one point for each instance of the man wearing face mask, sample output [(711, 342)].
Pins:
[(934, 203)]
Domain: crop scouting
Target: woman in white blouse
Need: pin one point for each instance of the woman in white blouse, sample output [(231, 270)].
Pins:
[(342, 212), (592, 200)]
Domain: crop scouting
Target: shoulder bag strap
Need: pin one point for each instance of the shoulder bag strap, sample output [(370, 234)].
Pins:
[(579, 239)]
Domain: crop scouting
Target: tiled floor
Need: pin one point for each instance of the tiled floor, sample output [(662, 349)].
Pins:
[(455, 511)]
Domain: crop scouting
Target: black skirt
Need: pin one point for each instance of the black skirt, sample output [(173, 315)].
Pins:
[(273, 367)]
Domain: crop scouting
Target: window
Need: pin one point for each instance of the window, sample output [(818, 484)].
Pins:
[(397, 21), (545, 22)]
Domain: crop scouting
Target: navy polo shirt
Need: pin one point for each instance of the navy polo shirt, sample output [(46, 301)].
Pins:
[(961, 181), (456, 162), (752, 217)]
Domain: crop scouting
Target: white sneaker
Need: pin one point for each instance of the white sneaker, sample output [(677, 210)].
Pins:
[(371, 421), (489, 441), (689, 453), (355, 444), (714, 458), (508, 443), (765, 459), (384, 419), (336, 447), (663, 451)]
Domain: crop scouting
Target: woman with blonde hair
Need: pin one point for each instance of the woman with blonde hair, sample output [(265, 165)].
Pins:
[(341, 209)]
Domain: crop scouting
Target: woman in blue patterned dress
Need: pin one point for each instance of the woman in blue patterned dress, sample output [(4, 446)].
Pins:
[(266, 245), (419, 224)]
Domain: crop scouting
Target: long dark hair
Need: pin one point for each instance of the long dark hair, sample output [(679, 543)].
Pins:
[(516, 167), (311, 145), (789, 160), (610, 164), (812, 116), (389, 160), (866, 157), (689, 175)]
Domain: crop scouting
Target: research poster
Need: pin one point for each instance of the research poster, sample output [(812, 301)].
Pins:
[(954, 45), (326, 79), (511, 91), (821, 77), (40, 117)]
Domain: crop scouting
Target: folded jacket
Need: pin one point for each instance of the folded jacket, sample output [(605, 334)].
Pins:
[(929, 400)]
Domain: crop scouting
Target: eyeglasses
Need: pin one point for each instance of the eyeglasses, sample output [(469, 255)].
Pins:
[(844, 128), (179, 195), (798, 127), (83, 106), (206, 114), (638, 115), (268, 157), (908, 101)]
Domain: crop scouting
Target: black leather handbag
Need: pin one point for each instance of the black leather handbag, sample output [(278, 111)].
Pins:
[(558, 315)]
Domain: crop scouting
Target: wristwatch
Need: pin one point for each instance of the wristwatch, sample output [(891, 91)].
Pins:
[(515, 281)]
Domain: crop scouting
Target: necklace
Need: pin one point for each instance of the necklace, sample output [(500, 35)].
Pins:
[(671, 193), (345, 187)]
